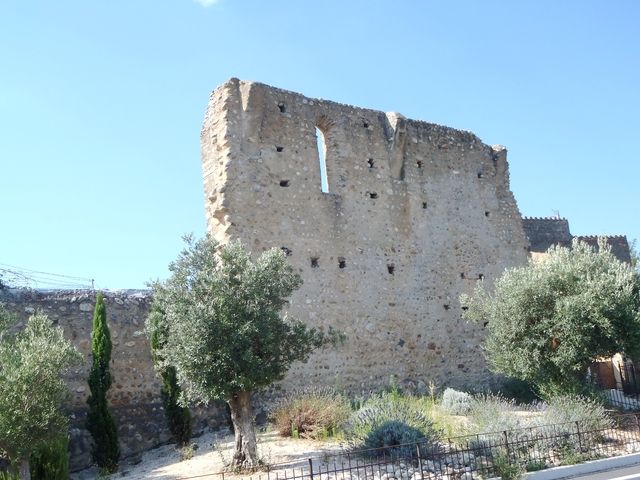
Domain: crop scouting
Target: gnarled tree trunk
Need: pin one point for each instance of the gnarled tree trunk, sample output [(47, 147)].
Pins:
[(246, 452)]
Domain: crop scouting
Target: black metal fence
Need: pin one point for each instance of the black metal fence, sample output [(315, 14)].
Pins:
[(485, 455)]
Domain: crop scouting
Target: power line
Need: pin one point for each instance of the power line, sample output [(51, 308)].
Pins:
[(19, 277)]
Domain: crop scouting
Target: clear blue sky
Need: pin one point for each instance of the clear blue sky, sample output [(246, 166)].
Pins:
[(101, 104)]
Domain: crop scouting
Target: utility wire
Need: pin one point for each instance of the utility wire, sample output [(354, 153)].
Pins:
[(19, 277)]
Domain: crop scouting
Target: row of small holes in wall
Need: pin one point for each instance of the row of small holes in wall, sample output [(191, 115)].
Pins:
[(322, 148), (372, 195), (342, 262)]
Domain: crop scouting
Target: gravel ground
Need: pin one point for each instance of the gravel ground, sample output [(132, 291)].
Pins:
[(213, 451)]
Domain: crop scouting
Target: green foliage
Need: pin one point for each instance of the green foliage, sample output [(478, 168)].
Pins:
[(105, 450), (32, 361), (574, 421), (493, 413), (456, 402), (50, 461), (535, 465), (507, 468), (313, 413), (225, 334), (9, 476), (178, 416), (564, 410), (549, 320), (187, 451), (387, 421), (518, 390)]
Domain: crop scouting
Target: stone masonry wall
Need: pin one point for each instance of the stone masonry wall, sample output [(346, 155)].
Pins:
[(415, 215), (134, 398)]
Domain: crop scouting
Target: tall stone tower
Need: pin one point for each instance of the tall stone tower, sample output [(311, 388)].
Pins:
[(406, 216)]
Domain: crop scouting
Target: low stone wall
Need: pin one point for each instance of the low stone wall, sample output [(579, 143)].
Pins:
[(135, 395)]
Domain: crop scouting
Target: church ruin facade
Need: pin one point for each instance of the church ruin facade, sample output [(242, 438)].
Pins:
[(388, 220)]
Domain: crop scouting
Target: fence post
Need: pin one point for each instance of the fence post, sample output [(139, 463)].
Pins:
[(419, 460), (506, 442), (579, 436), (311, 468)]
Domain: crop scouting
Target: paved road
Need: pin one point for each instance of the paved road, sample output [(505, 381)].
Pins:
[(625, 473)]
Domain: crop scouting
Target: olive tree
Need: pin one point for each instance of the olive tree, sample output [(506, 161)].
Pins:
[(32, 360), (548, 321), (226, 336)]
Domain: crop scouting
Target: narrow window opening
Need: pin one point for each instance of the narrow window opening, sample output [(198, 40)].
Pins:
[(373, 195), (465, 308), (481, 276), (365, 124), (342, 262), (279, 148), (314, 262), (391, 268), (462, 275), (370, 162), (284, 183), (479, 174), (322, 155), (424, 205), (419, 163), (282, 107), (487, 213), (287, 251), (446, 307), (485, 324)]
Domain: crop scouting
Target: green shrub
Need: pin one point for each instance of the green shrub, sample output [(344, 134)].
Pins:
[(311, 413), (493, 413), (535, 465), (9, 476), (456, 402), (51, 460), (178, 416), (386, 421), (188, 451), (567, 409), (507, 468), (571, 423)]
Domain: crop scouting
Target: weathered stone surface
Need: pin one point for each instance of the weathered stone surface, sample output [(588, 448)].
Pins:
[(415, 215)]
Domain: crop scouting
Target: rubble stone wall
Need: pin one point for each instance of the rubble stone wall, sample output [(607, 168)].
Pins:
[(134, 397), (415, 215)]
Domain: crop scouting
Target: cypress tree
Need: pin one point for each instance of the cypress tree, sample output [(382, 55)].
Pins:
[(178, 416), (105, 450)]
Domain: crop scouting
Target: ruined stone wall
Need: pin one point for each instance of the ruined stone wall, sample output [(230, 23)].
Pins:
[(134, 398), (415, 215)]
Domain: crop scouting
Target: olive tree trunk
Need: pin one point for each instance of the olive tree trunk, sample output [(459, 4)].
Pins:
[(246, 452), (24, 469)]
